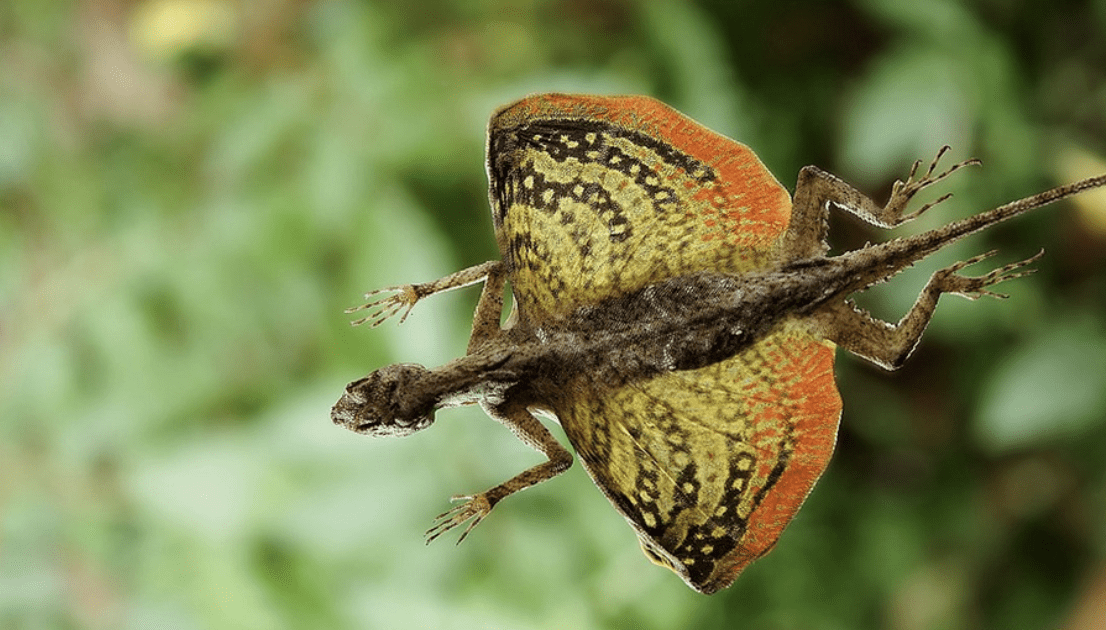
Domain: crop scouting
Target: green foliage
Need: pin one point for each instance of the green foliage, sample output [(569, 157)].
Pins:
[(1069, 363), (191, 191)]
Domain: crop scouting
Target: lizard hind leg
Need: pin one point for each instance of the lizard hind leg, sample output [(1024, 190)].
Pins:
[(889, 345), (817, 190)]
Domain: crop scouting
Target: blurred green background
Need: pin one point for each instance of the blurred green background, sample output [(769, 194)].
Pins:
[(191, 191)]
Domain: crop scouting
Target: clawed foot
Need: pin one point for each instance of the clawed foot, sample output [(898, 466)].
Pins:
[(404, 300), (976, 287), (903, 191), (475, 507)]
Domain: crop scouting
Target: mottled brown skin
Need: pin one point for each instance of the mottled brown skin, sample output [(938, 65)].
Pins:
[(676, 312)]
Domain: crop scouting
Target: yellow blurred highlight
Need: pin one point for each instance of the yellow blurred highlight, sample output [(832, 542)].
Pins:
[(163, 29), (1073, 164)]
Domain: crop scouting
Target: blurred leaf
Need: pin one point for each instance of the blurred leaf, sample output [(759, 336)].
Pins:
[(912, 103), (1051, 388), (163, 29)]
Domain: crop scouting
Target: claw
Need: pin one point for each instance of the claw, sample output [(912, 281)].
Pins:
[(473, 510), (952, 169), (974, 288), (917, 213), (971, 261), (933, 165), (929, 177), (386, 307), (914, 168), (903, 190)]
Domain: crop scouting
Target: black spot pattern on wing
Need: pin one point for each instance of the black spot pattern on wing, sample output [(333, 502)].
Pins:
[(587, 142)]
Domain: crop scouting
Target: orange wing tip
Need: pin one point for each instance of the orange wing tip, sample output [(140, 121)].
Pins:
[(730, 568)]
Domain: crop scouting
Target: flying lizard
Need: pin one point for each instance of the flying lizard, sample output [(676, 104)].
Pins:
[(674, 308)]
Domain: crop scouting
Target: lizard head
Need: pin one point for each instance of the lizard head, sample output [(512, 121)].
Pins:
[(380, 403)]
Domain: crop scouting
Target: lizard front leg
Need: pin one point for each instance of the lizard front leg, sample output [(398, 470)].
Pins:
[(533, 433), (816, 190), (489, 310), (406, 295), (888, 345)]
